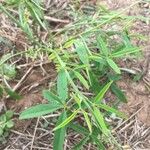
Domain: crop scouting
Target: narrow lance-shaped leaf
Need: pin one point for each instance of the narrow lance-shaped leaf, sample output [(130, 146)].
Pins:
[(87, 120), (82, 52), (82, 79), (112, 110), (113, 65), (39, 110), (99, 117), (125, 51), (59, 135), (102, 45), (118, 93), (62, 85), (65, 122), (101, 94)]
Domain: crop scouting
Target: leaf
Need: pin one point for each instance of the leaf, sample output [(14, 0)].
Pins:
[(82, 79), (9, 124), (1, 131), (118, 93), (1, 91), (5, 58), (39, 110), (62, 85), (102, 92), (82, 52), (69, 43), (80, 145), (99, 117), (8, 70), (126, 40), (102, 45), (95, 85), (12, 94), (87, 120), (112, 110), (9, 114), (37, 13), (51, 97), (113, 65), (82, 130), (125, 51), (66, 121), (59, 135)]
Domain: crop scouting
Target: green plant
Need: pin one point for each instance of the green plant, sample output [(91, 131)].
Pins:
[(85, 61), (6, 124), (83, 66)]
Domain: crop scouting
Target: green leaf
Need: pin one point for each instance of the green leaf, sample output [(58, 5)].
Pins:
[(1, 131), (102, 45), (62, 85), (9, 124), (1, 91), (59, 135), (126, 40), (101, 94), (37, 13), (112, 110), (125, 51), (99, 117), (95, 85), (118, 93), (80, 145), (39, 110), (69, 43), (113, 65), (9, 114), (82, 51), (51, 97), (87, 120), (66, 121), (8, 70), (82, 79), (13, 94)]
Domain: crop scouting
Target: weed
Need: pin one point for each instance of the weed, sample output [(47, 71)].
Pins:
[(82, 60), (6, 124)]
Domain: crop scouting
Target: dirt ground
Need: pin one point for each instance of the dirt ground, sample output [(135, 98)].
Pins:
[(133, 133)]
